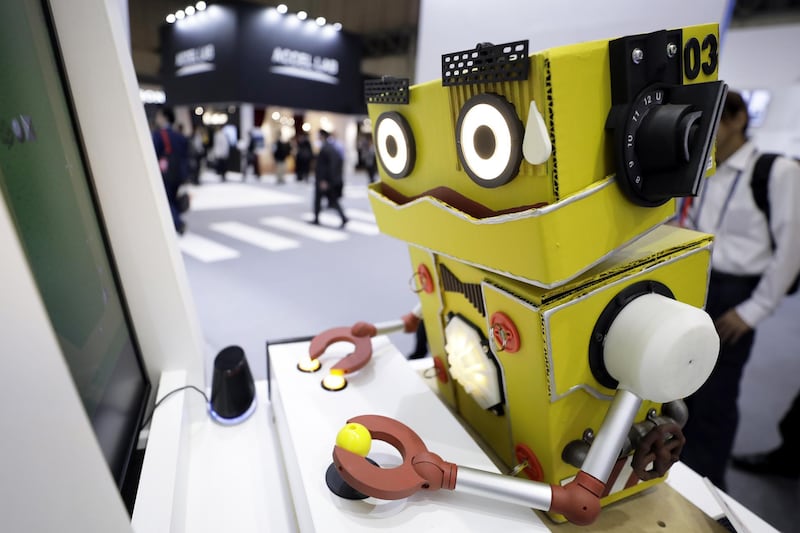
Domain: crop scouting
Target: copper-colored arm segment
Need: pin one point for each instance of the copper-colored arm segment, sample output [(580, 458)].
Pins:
[(578, 500), (438, 473), (410, 322), (421, 469), (383, 483), (364, 329), (352, 362)]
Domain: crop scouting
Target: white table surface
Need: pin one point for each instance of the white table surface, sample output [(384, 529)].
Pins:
[(237, 482)]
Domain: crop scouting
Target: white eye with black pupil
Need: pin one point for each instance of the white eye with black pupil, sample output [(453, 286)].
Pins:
[(489, 140), (395, 144)]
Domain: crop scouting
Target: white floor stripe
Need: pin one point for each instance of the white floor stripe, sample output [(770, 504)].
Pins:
[(355, 191), (305, 229), (354, 226), (364, 228), (205, 250), (255, 236), (360, 214), (328, 218), (231, 195)]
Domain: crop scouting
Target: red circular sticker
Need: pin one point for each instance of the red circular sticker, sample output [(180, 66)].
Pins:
[(534, 469), (425, 278), (504, 332), (441, 370)]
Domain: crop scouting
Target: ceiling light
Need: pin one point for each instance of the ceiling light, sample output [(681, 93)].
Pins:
[(337, 26), (282, 9), (189, 10), (179, 14), (200, 5), (321, 21), (171, 18), (276, 115), (198, 110), (302, 15)]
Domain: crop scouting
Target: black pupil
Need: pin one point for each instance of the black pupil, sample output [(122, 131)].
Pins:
[(391, 146), (484, 142)]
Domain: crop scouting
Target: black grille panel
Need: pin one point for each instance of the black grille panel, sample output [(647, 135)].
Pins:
[(470, 291), (486, 63), (386, 90)]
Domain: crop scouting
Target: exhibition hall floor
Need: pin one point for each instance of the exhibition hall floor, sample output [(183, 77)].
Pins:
[(259, 271)]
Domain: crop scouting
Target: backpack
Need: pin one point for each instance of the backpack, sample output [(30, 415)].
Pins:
[(759, 183)]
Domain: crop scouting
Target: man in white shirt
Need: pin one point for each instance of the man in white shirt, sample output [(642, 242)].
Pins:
[(754, 262)]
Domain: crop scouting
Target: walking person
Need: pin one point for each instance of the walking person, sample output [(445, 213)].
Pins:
[(222, 151), (755, 259), (328, 177), (304, 155), (254, 147), (173, 160), (281, 152), (370, 161)]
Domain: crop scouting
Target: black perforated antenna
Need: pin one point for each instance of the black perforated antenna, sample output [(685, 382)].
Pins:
[(486, 63), (386, 90)]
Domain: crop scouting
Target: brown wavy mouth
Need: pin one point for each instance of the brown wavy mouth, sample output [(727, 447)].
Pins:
[(455, 200)]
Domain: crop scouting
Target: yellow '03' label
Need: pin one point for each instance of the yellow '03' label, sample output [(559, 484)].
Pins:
[(700, 53)]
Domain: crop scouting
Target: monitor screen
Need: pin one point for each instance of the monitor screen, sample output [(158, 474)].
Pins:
[(47, 183), (757, 103)]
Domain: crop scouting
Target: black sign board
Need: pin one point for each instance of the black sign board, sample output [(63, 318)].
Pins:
[(249, 53)]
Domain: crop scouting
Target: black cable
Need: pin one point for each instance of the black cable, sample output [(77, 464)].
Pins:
[(167, 395)]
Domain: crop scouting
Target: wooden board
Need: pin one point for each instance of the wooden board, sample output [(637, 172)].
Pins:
[(659, 509)]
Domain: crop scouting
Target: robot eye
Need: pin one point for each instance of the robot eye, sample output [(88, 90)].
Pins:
[(394, 144), (489, 140)]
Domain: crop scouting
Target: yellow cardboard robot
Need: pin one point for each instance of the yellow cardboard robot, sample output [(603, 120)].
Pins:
[(564, 318)]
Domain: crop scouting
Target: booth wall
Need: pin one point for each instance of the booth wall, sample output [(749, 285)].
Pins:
[(764, 58)]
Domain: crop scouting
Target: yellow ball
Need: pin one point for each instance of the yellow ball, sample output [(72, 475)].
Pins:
[(354, 438)]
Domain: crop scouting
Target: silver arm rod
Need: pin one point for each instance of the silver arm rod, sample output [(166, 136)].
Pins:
[(390, 326), (606, 446), (504, 488)]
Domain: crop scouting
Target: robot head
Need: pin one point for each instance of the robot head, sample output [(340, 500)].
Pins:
[(519, 152)]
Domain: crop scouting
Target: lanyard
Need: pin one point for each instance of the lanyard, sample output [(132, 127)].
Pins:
[(727, 202)]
